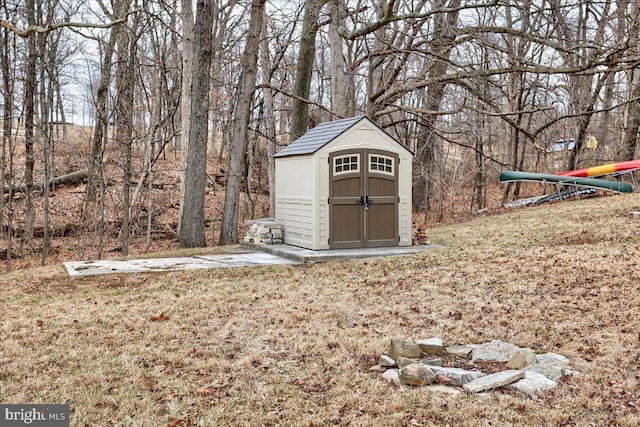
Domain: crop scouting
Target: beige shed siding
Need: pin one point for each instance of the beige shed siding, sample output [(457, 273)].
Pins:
[(405, 214), (323, 200), (295, 214), (295, 192)]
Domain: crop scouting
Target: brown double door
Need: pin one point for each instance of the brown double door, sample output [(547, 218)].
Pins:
[(363, 199)]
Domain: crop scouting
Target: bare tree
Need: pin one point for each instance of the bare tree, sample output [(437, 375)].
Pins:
[(191, 222), (246, 89)]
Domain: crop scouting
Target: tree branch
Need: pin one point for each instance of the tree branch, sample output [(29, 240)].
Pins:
[(35, 29)]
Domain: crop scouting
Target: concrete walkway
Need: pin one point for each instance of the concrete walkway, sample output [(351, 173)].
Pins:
[(93, 268), (308, 255), (247, 255)]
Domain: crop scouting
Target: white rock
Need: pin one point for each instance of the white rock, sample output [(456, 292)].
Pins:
[(392, 376), (489, 382), (386, 361), (533, 384), (549, 370), (494, 351)]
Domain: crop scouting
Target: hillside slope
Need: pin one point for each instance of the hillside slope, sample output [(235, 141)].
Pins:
[(293, 345)]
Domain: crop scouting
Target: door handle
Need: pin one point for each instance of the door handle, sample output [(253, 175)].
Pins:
[(363, 200)]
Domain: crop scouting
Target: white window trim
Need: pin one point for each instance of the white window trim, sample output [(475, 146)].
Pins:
[(347, 156), (382, 156)]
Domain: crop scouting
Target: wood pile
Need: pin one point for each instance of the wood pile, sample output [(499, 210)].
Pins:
[(264, 232), (420, 235)]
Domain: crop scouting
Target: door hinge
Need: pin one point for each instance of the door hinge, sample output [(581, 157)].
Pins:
[(328, 201), (328, 241), (398, 199), (328, 161)]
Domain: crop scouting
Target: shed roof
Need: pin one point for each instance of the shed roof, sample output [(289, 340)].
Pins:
[(320, 136)]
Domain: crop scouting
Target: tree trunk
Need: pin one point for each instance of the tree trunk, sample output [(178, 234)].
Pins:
[(339, 96), (185, 98), (229, 231), (100, 129), (191, 229), (428, 158), (29, 115), (124, 119), (304, 69), (6, 156), (269, 121)]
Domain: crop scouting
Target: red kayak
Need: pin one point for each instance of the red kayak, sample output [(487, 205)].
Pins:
[(603, 169)]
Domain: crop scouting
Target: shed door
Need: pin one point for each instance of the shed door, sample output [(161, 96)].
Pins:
[(363, 199)]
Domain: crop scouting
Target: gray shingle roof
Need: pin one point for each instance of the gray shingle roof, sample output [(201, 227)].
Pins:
[(318, 137)]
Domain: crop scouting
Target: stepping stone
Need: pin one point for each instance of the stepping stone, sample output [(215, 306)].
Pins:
[(490, 382)]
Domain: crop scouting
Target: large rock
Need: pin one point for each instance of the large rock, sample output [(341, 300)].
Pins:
[(494, 351), (392, 376), (455, 376), (432, 346), (405, 361), (533, 384), (523, 358), (549, 370), (403, 348), (416, 374), (492, 381)]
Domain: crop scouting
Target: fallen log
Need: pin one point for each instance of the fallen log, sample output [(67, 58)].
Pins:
[(72, 178)]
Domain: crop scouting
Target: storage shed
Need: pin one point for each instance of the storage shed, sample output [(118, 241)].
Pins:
[(344, 184)]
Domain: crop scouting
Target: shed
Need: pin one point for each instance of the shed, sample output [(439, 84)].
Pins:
[(344, 184)]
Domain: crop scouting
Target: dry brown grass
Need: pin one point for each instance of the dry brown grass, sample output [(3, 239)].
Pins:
[(293, 345)]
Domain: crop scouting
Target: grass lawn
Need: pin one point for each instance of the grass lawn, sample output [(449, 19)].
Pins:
[(293, 345)]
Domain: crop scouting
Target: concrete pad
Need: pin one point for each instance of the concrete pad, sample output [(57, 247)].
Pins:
[(311, 256), (92, 268)]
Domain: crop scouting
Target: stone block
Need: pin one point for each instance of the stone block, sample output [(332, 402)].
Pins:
[(431, 346), (403, 348), (416, 374), (489, 382), (533, 384), (455, 376)]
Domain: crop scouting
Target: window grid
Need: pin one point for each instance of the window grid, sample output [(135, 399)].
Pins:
[(346, 164), (381, 164)]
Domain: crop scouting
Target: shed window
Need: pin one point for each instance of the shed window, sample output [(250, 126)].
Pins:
[(381, 164), (346, 164)]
